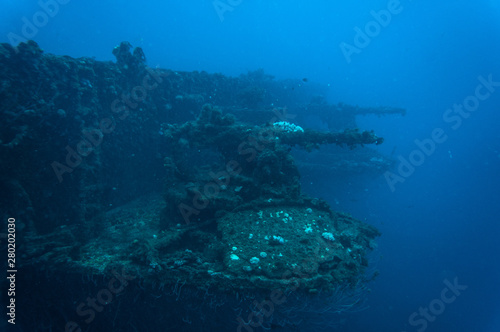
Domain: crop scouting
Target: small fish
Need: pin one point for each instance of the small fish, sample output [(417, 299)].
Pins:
[(305, 79)]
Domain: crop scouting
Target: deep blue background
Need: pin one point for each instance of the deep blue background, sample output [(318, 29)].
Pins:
[(442, 222)]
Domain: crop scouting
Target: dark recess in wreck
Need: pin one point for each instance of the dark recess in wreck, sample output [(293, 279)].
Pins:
[(108, 164)]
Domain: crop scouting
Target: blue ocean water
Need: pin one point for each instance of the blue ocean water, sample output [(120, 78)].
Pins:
[(438, 209)]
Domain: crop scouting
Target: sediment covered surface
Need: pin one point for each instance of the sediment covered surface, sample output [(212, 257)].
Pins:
[(148, 197)]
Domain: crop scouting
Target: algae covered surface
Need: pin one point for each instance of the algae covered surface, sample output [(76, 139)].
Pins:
[(183, 181)]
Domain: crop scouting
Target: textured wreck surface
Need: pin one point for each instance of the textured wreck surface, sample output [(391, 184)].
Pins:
[(184, 183)]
